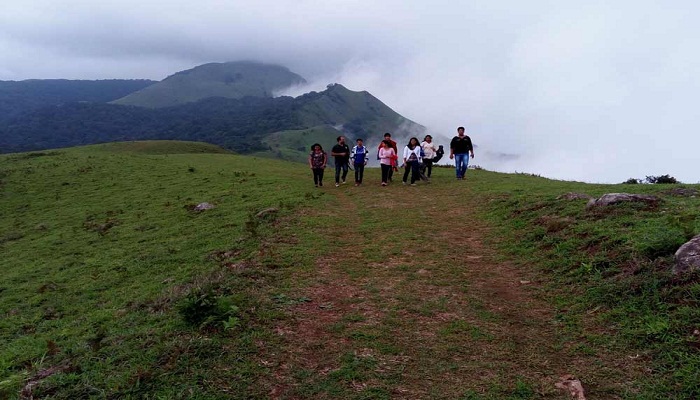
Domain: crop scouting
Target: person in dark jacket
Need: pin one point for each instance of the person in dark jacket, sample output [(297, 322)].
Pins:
[(460, 149), (341, 152)]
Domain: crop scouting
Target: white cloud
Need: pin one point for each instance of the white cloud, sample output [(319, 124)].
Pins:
[(595, 91)]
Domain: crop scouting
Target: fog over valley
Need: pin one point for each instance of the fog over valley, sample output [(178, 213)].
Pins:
[(596, 92)]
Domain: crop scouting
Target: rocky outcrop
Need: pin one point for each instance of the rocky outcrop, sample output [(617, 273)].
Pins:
[(574, 196), (617, 198), (688, 256)]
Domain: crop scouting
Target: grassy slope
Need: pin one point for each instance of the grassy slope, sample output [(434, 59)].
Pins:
[(99, 249), (295, 145), (75, 291)]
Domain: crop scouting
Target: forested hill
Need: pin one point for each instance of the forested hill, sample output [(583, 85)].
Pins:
[(237, 124), (18, 97)]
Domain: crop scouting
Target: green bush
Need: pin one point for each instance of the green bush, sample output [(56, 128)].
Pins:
[(205, 309)]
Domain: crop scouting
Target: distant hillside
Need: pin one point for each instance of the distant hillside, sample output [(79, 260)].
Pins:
[(248, 125), (17, 97), (230, 80)]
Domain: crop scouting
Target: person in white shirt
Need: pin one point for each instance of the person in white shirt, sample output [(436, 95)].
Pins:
[(412, 160), (429, 152)]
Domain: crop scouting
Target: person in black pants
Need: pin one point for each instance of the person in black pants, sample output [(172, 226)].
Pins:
[(359, 159), (317, 162), (341, 152), (412, 159)]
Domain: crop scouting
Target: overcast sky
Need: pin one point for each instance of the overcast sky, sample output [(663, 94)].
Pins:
[(598, 91)]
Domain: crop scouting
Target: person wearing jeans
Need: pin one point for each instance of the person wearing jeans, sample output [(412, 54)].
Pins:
[(460, 149)]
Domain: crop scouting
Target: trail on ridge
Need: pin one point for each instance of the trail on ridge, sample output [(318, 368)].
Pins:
[(410, 302)]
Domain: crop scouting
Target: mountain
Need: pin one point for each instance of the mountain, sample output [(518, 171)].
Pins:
[(246, 125), (230, 80), (17, 97)]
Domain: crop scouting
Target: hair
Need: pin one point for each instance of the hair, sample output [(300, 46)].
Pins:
[(426, 137), (338, 138), (387, 143), (411, 140), (359, 140), (316, 144), (387, 134), (460, 128)]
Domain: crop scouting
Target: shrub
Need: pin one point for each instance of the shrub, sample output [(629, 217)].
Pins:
[(204, 309), (631, 181), (661, 179)]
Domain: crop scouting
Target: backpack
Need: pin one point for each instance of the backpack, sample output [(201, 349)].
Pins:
[(440, 152)]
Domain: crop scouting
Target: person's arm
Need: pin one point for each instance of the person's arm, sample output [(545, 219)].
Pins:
[(471, 147), (353, 153), (325, 160), (311, 164)]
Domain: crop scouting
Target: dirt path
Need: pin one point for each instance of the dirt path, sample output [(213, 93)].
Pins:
[(412, 304)]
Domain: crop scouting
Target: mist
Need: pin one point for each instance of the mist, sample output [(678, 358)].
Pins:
[(593, 92)]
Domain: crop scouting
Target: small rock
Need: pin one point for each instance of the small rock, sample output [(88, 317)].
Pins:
[(574, 196), (573, 385), (688, 257), (617, 198), (525, 282), (204, 206)]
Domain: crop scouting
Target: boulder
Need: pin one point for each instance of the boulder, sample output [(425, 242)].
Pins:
[(688, 256), (574, 196), (617, 198)]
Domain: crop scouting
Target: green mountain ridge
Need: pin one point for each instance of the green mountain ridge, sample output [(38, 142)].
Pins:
[(247, 125), (18, 97), (230, 80)]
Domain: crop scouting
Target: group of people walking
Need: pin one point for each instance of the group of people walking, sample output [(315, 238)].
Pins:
[(418, 158)]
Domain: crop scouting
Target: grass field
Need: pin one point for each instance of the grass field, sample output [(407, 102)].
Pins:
[(113, 286)]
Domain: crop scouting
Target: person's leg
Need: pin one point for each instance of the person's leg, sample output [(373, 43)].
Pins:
[(385, 172), (415, 172), (337, 173), (315, 172), (459, 159), (361, 169), (406, 168), (345, 171), (391, 172), (466, 165), (320, 176), (428, 167), (357, 174)]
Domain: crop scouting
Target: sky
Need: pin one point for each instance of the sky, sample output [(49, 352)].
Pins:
[(594, 91)]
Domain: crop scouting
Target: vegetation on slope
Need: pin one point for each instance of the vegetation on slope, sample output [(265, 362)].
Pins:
[(112, 284), (18, 97), (242, 125)]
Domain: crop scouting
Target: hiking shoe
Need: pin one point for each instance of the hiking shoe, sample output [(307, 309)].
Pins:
[(337, 184), (343, 182), (383, 183), (404, 182), (413, 184)]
